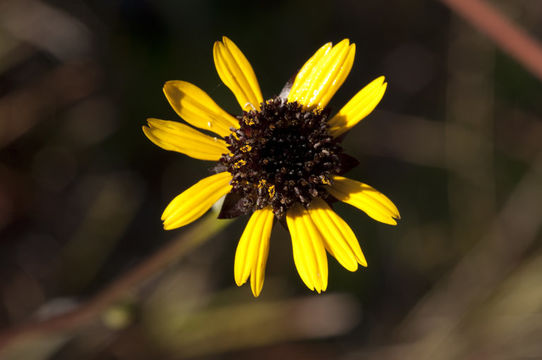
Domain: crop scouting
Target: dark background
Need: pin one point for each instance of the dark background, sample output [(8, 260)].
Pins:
[(455, 143)]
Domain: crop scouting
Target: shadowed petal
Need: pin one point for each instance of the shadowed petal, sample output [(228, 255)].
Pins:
[(174, 136)]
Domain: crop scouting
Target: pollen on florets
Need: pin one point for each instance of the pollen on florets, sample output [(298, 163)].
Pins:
[(281, 155)]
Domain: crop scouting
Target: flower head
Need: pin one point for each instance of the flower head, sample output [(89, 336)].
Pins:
[(279, 159)]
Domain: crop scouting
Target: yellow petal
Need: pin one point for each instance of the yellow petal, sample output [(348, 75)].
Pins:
[(299, 258), (197, 108), (339, 239), (365, 198), (323, 75), (327, 71), (236, 72), (301, 79), (196, 200), (308, 249), (252, 250), (174, 136), (361, 105), (257, 274), (339, 78)]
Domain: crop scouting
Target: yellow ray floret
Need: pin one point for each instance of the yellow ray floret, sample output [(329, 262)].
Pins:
[(174, 136), (321, 76), (308, 248), (252, 250), (237, 74), (196, 200), (361, 105), (339, 239), (364, 197), (302, 77), (338, 77), (197, 108)]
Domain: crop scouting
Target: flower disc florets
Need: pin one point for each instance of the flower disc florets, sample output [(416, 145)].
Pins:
[(281, 155)]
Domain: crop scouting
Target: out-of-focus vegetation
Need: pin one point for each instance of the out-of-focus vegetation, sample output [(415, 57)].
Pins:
[(456, 144)]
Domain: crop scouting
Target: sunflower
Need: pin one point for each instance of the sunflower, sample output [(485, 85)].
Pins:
[(280, 160)]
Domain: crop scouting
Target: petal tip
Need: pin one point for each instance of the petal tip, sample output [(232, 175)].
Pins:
[(148, 132), (152, 122), (216, 48), (168, 226), (256, 292), (169, 85), (239, 281), (353, 47), (390, 221), (381, 79), (352, 267)]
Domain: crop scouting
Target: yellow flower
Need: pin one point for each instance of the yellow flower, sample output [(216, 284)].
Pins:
[(280, 159)]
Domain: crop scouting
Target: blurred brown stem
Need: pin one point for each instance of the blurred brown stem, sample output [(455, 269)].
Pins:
[(508, 36), (123, 286)]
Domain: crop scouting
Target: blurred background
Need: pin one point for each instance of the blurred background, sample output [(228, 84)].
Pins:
[(88, 273)]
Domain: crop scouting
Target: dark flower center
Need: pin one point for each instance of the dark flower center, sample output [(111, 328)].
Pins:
[(280, 155)]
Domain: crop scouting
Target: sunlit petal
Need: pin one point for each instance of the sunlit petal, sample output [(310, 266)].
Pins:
[(361, 105), (303, 75), (308, 249), (252, 250), (196, 200), (257, 275), (322, 75), (365, 198), (237, 74), (339, 239)]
